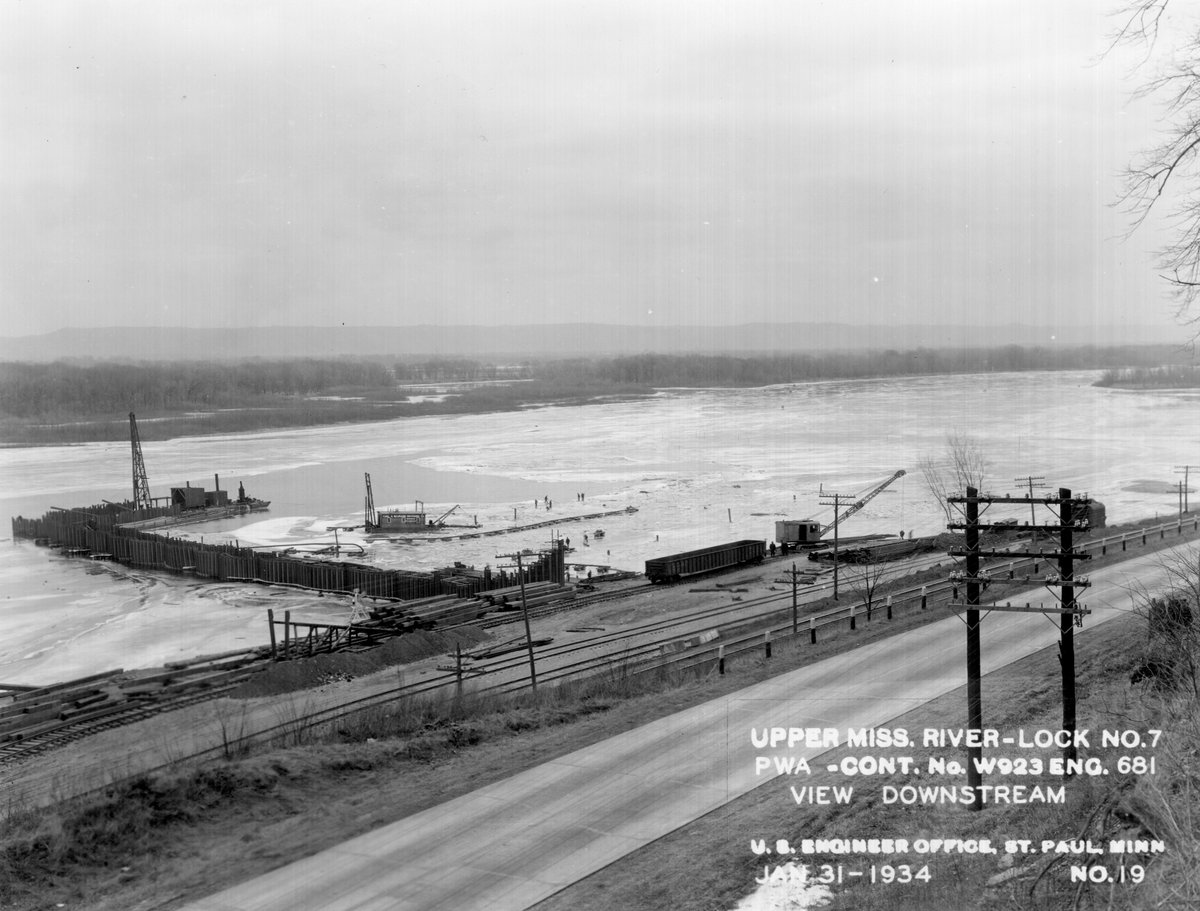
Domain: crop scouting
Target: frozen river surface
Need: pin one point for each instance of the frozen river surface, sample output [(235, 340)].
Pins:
[(700, 466)]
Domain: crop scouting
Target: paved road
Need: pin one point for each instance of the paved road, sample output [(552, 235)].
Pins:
[(509, 845)]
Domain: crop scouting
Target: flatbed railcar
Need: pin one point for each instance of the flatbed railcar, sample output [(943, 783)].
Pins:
[(705, 560)]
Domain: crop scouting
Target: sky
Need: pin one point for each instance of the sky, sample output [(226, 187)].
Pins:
[(644, 162)]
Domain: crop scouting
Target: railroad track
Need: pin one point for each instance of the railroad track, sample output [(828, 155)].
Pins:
[(20, 744), (560, 607), (69, 732), (24, 746), (607, 655)]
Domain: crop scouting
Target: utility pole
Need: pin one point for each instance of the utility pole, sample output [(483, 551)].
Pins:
[(1073, 513), (1183, 491), (1029, 480), (794, 614), (528, 631), (1067, 619), (793, 572), (835, 500), (974, 676), (525, 614)]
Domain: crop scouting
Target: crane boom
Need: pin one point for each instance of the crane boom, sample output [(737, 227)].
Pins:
[(141, 484), (370, 517), (444, 516), (859, 504)]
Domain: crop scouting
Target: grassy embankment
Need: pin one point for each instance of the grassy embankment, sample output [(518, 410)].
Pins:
[(195, 830)]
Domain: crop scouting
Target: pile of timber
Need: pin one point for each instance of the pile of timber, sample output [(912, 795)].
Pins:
[(441, 610), (449, 610), (33, 710), (536, 594), (302, 638), (28, 712), (204, 672)]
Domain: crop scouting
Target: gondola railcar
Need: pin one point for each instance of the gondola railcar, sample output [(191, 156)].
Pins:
[(705, 560)]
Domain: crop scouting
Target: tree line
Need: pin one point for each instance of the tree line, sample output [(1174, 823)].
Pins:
[(1168, 376), (697, 370), (65, 390), (34, 391), (458, 370)]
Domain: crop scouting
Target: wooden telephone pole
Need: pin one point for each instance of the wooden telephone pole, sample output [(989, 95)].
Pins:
[(1030, 480), (835, 500), (1072, 515), (525, 614), (1183, 489)]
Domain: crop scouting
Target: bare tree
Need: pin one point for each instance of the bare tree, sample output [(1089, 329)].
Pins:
[(1168, 173), (864, 578), (961, 464)]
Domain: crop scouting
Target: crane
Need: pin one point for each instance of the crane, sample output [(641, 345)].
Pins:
[(859, 504), (441, 520), (141, 484), (371, 518)]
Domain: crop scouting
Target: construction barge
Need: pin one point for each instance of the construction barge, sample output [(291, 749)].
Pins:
[(382, 524)]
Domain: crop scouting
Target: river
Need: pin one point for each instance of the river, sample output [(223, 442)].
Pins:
[(700, 467)]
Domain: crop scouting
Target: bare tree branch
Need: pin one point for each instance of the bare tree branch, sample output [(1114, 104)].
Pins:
[(864, 578), (1169, 172), (962, 464)]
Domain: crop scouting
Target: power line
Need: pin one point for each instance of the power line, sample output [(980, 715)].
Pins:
[(1073, 514), (1183, 489), (835, 500)]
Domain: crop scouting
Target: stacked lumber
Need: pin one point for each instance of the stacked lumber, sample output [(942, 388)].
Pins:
[(200, 673), (42, 708), (447, 609), (101, 698), (536, 594)]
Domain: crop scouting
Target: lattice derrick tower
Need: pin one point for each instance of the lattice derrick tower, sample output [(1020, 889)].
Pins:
[(141, 484)]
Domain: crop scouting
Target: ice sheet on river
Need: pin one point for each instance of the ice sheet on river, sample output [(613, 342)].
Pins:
[(701, 467)]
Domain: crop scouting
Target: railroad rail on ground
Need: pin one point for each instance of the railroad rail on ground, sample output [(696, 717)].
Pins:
[(667, 650)]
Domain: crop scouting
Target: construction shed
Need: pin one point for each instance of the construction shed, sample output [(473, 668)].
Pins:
[(188, 497), (797, 531), (391, 521)]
